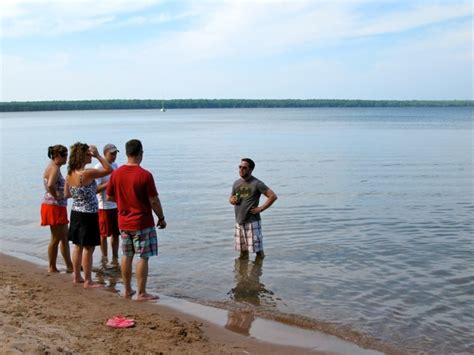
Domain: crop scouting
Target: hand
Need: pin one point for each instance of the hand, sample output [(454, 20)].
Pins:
[(256, 210), (233, 200), (93, 151), (59, 195), (161, 224)]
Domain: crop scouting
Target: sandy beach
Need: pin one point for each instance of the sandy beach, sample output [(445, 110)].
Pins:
[(46, 313)]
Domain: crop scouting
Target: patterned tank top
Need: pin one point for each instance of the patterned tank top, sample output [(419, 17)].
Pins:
[(84, 198), (48, 198)]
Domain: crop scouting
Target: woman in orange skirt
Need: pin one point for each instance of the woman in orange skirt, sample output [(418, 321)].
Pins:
[(54, 208)]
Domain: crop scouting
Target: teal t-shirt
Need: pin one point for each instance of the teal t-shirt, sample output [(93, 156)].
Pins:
[(250, 192)]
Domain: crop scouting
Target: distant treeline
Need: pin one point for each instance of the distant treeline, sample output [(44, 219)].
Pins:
[(218, 103)]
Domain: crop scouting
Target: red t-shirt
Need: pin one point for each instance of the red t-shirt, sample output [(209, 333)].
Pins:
[(131, 186)]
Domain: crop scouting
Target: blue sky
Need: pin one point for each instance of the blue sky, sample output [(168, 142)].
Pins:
[(149, 49)]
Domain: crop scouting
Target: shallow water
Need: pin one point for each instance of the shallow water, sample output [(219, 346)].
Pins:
[(372, 231)]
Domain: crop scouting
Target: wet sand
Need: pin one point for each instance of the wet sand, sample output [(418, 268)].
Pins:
[(46, 313)]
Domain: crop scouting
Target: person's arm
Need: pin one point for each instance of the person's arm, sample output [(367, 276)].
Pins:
[(156, 206), (91, 174), (109, 193), (101, 184), (271, 197), (101, 187), (52, 179), (232, 198), (67, 192)]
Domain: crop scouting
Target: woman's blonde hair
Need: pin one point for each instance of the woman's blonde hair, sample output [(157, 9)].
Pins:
[(77, 156)]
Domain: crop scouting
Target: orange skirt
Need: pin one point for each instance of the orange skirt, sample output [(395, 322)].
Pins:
[(53, 215)]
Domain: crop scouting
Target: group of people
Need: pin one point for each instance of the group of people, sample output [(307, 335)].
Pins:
[(112, 202)]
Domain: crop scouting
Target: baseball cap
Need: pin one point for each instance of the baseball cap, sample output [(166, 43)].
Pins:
[(110, 148)]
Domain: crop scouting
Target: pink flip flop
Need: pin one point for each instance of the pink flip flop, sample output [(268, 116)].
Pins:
[(120, 322)]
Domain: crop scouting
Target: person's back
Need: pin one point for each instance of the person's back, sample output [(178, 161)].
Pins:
[(134, 186), (84, 198)]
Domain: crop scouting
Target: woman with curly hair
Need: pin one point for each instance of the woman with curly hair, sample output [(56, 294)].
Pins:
[(84, 227), (54, 207)]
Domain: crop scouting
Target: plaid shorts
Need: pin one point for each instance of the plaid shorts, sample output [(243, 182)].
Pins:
[(143, 242), (248, 237)]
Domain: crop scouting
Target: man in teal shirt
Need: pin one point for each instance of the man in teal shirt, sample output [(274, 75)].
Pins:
[(245, 197)]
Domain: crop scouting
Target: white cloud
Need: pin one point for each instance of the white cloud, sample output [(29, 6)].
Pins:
[(259, 29), (56, 17), (241, 49), (418, 15)]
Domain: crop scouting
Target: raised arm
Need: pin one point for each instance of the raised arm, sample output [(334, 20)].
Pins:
[(91, 174)]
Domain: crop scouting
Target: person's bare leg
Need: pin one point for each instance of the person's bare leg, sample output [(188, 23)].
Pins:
[(115, 247), (87, 266), (76, 263), (244, 254), (260, 255), (53, 249), (127, 276), (64, 247), (142, 276), (104, 250)]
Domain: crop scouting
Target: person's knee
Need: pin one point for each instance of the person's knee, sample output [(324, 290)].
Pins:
[(126, 262)]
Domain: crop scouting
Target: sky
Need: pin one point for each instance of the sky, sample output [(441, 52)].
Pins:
[(314, 49)]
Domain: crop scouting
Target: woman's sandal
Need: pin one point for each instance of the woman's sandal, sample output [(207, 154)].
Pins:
[(120, 322)]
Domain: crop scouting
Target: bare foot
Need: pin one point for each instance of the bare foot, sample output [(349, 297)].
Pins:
[(78, 281), (90, 284), (129, 294), (53, 269), (147, 297)]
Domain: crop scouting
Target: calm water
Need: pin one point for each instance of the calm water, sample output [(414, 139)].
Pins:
[(372, 232)]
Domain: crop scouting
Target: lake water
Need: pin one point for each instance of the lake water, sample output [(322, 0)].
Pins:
[(371, 237)]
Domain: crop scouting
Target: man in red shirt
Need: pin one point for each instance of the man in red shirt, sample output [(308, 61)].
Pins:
[(133, 189)]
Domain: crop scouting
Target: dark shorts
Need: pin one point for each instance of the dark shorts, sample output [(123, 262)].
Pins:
[(108, 223), (84, 229)]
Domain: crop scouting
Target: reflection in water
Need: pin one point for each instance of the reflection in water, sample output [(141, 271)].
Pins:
[(108, 276), (239, 321), (248, 290)]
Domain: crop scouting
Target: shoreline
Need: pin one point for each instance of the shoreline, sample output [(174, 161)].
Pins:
[(160, 104), (44, 312)]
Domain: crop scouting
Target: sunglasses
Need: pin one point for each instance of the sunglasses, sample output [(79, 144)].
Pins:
[(243, 167)]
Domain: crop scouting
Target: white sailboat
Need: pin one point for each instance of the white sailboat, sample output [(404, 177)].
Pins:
[(163, 106)]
